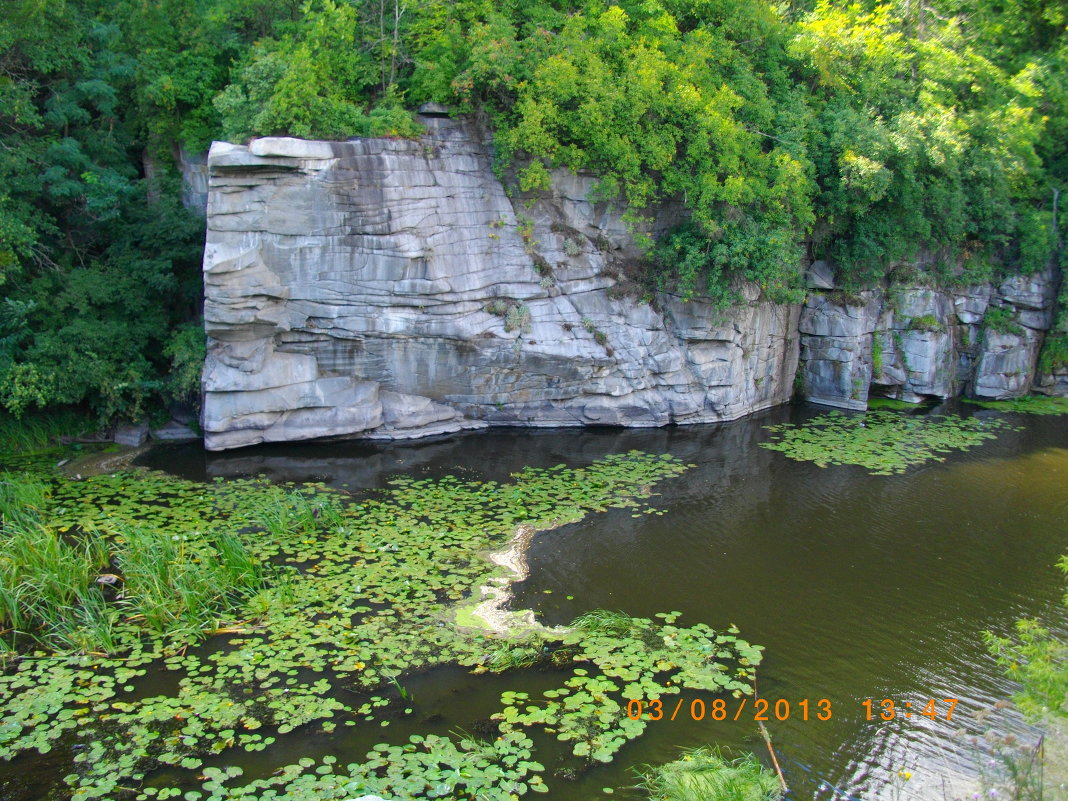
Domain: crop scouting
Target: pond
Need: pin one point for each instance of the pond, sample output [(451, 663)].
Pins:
[(859, 586)]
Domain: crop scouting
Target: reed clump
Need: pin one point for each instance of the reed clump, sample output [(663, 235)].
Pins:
[(705, 773), (88, 589)]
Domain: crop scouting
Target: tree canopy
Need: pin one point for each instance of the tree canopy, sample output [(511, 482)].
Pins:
[(869, 134)]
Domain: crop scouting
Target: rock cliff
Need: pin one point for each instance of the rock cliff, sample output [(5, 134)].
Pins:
[(391, 288), (387, 288), (915, 342)]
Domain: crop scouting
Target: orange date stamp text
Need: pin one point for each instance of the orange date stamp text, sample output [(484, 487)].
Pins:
[(759, 709)]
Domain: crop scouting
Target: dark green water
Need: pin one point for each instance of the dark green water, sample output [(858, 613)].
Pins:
[(859, 586)]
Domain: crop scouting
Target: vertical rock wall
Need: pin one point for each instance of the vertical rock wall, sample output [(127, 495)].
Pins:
[(391, 288), (912, 343)]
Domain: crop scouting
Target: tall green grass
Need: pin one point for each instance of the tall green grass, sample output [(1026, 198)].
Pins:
[(47, 582), (34, 432), (22, 499), (704, 774), (283, 513), (604, 621), (180, 586), (73, 590)]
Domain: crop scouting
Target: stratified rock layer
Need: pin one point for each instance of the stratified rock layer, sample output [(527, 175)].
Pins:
[(912, 343), (390, 289)]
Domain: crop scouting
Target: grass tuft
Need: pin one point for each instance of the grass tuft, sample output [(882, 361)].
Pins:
[(603, 621), (704, 774)]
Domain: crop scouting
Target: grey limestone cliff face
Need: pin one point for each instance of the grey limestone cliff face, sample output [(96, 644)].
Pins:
[(912, 343), (390, 288)]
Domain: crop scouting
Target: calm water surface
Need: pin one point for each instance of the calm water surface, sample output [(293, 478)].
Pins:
[(859, 586)]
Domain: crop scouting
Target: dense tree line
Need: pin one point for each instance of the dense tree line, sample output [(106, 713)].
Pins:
[(868, 134)]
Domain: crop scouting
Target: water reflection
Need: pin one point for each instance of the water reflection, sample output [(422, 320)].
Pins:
[(859, 586)]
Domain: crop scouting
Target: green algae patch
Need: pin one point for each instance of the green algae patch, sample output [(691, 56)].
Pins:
[(335, 598), (891, 404), (883, 442), (1029, 404)]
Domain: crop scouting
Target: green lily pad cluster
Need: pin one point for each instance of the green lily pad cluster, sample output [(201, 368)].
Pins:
[(630, 658), (339, 596), (882, 441), (427, 766)]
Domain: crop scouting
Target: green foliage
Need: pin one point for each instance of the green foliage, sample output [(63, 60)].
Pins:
[(928, 323), (497, 307), (1037, 659), (37, 432), (876, 353), (861, 133), (884, 442), (705, 773), (312, 81), (517, 318), (1054, 355), (186, 349), (97, 262), (661, 103), (919, 139), (358, 596), (1001, 320)]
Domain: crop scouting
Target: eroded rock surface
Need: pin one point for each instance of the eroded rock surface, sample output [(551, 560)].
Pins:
[(912, 343), (390, 288), (387, 289)]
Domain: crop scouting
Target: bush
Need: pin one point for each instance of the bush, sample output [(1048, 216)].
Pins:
[(186, 349), (928, 323), (1038, 659), (1001, 320), (1054, 354)]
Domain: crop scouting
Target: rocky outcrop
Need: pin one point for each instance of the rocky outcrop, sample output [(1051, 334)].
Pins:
[(911, 343), (388, 288), (391, 288)]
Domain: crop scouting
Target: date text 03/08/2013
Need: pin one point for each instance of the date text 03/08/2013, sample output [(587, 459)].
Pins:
[(761, 709)]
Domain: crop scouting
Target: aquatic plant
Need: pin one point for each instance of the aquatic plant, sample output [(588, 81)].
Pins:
[(629, 658), (48, 587), (331, 594), (881, 441), (892, 404), (603, 621), (178, 584), (1029, 404), (704, 774)]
